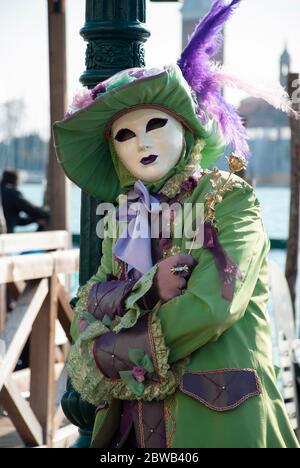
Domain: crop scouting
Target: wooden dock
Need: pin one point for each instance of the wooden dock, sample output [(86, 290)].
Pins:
[(9, 437), (30, 411)]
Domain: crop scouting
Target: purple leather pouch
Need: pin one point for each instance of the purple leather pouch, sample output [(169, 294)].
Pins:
[(221, 390)]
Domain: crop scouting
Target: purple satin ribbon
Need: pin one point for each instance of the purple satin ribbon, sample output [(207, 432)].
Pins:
[(227, 269), (134, 245), (135, 249)]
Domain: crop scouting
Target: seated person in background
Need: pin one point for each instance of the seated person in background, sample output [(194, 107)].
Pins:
[(2, 219), (14, 204)]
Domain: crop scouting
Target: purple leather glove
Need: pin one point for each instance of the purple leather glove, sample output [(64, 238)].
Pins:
[(108, 298), (168, 284)]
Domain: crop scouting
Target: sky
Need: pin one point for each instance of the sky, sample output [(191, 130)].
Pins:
[(255, 38)]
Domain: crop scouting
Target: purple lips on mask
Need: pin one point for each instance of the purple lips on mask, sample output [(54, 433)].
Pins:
[(149, 159)]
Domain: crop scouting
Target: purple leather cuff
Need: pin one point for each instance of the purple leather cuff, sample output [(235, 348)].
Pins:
[(142, 425), (149, 424), (108, 298), (111, 350), (147, 418), (221, 390)]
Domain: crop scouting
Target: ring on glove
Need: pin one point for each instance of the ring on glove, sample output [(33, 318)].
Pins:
[(180, 269)]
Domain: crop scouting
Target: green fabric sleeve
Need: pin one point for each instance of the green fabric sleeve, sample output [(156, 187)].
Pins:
[(93, 387), (134, 311), (202, 314), (106, 267)]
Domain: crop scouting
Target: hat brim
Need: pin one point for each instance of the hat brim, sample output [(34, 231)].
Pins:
[(81, 140)]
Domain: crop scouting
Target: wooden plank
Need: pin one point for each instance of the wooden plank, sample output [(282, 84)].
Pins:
[(65, 311), (26, 267), (282, 310), (2, 306), (9, 438), (20, 324), (61, 385), (42, 358), (65, 436), (26, 242), (66, 261), (22, 377), (21, 414), (60, 336), (282, 303)]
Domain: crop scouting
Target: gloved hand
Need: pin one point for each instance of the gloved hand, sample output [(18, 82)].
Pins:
[(169, 283), (108, 298)]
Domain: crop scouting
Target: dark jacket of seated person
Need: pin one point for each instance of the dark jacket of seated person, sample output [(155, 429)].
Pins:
[(14, 204)]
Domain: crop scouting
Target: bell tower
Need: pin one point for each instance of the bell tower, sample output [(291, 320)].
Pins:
[(285, 66)]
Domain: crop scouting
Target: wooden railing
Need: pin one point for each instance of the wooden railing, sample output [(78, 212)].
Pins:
[(37, 282)]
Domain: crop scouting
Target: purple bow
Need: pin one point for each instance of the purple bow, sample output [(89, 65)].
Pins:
[(227, 269), (134, 245)]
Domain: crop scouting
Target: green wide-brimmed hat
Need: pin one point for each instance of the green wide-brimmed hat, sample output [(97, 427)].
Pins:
[(82, 138)]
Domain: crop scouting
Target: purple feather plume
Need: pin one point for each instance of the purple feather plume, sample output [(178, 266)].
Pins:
[(199, 71)]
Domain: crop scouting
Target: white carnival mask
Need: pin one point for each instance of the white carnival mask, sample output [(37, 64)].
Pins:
[(149, 142)]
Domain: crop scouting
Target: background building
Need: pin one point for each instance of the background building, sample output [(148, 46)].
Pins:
[(192, 11), (269, 135), (268, 128)]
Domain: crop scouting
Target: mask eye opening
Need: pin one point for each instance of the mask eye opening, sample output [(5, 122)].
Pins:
[(124, 134), (156, 123)]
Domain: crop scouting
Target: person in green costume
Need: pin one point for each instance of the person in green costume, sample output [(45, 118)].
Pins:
[(171, 336)]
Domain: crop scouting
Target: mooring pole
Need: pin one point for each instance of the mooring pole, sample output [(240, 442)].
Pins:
[(291, 270), (58, 186)]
